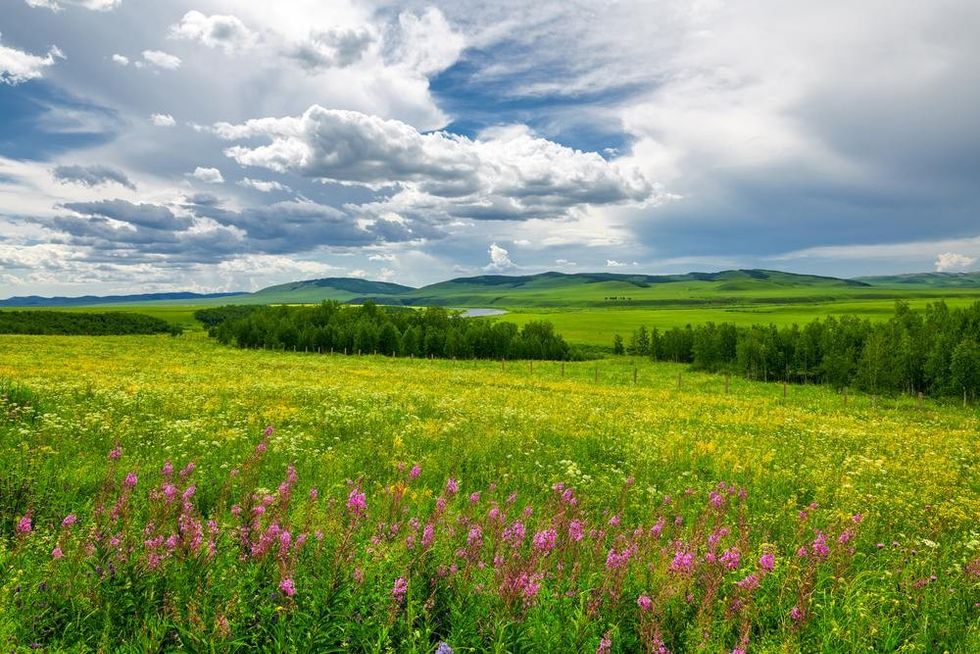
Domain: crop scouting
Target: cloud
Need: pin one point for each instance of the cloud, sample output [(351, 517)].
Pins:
[(225, 32), (122, 60), (141, 215), (17, 66), (58, 5), (426, 43), (505, 174), (952, 261), (301, 225), (208, 175), (337, 47), (94, 175), (263, 186), (499, 259), (159, 59), (163, 120)]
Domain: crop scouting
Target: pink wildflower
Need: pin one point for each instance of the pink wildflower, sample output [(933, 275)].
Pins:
[(357, 502), (400, 589), (575, 530), (683, 562), (644, 602), (56, 553), (452, 486), (24, 525), (767, 562), (415, 471), (287, 587), (731, 557), (69, 520), (115, 454), (544, 541), (130, 480)]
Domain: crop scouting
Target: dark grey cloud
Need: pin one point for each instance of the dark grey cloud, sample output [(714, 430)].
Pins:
[(94, 175), (153, 216)]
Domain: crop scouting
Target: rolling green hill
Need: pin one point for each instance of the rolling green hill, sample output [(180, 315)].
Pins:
[(342, 289), (927, 280), (554, 289)]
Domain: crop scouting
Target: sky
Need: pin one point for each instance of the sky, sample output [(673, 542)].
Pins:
[(219, 145)]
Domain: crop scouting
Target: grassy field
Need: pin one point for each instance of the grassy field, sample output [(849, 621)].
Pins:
[(598, 326), (553, 508)]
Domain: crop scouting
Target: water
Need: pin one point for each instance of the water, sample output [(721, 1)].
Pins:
[(482, 313)]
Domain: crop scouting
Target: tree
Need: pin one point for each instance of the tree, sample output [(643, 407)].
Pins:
[(964, 367), (618, 347)]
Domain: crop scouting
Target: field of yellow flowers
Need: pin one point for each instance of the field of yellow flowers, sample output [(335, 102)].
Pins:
[(171, 494)]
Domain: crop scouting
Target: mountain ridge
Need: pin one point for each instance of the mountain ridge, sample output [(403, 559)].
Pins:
[(550, 288)]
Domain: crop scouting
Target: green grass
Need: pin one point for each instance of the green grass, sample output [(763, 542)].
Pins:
[(598, 326), (361, 423)]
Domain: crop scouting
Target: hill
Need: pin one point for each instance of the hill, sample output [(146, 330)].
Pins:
[(87, 300), (553, 289), (342, 289), (927, 280)]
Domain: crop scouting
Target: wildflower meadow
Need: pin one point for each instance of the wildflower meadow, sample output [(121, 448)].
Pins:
[(173, 494)]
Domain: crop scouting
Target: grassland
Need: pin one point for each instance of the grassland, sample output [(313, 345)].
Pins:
[(901, 576), (598, 326)]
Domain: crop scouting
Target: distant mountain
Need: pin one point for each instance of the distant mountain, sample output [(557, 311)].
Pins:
[(615, 289), (38, 301), (561, 290), (342, 289), (927, 280)]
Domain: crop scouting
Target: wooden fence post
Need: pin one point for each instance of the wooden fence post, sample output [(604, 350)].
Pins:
[(597, 374), (678, 380), (634, 375)]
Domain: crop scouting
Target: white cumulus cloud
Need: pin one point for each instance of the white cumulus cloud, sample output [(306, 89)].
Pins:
[(226, 32), (159, 59), (163, 120), (504, 174), (17, 66), (208, 175), (263, 185), (954, 261), (499, 259)]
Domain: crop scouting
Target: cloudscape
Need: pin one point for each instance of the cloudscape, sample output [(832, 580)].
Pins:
[(215, 145)]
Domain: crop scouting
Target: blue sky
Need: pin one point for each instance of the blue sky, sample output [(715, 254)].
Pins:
[(230, 144)]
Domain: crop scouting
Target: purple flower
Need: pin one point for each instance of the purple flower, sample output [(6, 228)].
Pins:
[(115, 453), (796, 613), (130, 480), (268, 431), (24, 525), (287, 587), (576, 531), (69, 520), (514, 533), (644, 602), (544, 541), (443, 648), (683, 562), (730, 558), (56, 553), (452, 486), (167, 469), (357, 502), (400, 589), (749, 583), (767, 562), (415, 472)]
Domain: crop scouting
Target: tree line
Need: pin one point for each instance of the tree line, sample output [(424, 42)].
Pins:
[(936, 351), (83, 324), (369, 328)]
